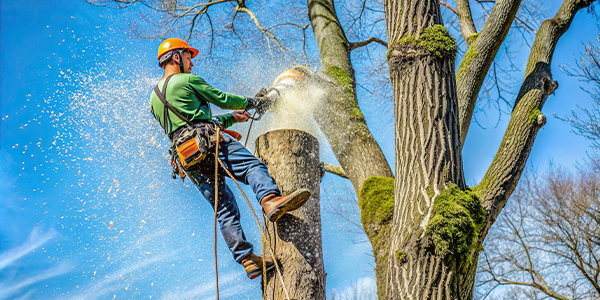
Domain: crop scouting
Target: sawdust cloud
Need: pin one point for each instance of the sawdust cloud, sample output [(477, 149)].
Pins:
[(294, 110)]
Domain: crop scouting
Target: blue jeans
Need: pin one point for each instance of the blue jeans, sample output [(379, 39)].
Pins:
[(246, 168)]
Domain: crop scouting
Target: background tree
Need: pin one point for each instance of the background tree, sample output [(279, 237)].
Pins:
[(546, 244), (425, 225), (552, 225), (587, 69)]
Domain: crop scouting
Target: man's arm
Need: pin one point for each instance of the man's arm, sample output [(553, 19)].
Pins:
[(238, 116), (215, 96), (227, 120)]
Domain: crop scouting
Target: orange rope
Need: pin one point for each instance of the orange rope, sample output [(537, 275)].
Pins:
[(264, 278), (259, 227), (216, 203)]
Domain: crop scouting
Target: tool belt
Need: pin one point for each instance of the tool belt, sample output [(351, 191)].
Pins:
[(191, 146)]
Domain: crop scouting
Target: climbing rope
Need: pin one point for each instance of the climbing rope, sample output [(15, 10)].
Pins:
[(264, 275), (259, 227), (217, 162), (249, 128), (263, 237), (216, 203)]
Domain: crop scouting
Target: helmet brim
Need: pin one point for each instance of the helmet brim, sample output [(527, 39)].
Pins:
[(193, 50)]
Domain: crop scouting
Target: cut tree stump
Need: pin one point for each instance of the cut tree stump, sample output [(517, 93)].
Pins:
[(292, 157)]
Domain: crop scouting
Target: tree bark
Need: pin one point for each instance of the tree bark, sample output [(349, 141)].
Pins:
[(428, 154), (292, 157)]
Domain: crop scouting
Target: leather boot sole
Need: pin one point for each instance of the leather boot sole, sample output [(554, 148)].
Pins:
[(295, 201), (253, 270)]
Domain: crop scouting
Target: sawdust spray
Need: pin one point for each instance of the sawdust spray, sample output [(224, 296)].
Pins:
[(294, 108)]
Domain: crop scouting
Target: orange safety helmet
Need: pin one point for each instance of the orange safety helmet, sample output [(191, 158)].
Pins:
[(173, 44)]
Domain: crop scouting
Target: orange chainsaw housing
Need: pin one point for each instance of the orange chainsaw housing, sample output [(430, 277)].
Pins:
[(289, 74)]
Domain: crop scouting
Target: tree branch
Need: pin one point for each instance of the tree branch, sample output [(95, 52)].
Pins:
[(465, 20), (333, 169), (124, 4), (534, 285), (366, 42), (341, 120), (482, 51), (291, 24), (173, 14), (526, 119), (449, 7), (240, 8)]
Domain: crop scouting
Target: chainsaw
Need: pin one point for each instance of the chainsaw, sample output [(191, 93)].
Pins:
[(286, 81)]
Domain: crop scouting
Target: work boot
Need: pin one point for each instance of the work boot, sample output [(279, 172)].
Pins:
[(275, 206), (254, 265)]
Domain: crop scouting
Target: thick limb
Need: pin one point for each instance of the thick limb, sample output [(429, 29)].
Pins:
[(526, 119)]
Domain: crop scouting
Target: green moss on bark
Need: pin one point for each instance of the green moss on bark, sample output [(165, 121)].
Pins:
[(466, 62), (341, 77), (400, 254), (435, 40), (390, 49), (438, 41), (349, 102), (472, 38), (407, 39), (376, 200), (454, 228), (357, 114), (534, 112)]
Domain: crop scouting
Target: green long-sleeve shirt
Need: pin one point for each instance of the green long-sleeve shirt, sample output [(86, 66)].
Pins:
[(189, 94)]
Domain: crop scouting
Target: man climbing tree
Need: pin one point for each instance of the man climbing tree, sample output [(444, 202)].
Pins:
[(425, 225), (180, 103)]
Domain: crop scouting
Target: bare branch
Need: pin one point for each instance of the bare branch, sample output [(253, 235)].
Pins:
[(476, 63), (258, 25), (506, 169), (465, 19), (366, 42), (449, 7), (333, 169), (291, 24)]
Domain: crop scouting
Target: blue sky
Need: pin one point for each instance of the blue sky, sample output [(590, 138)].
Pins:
[(80, 150)]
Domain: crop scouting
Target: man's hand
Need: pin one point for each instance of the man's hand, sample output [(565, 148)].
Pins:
[(240, 116)]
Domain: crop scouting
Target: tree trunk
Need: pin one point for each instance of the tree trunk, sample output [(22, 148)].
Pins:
[(428, 157), (292, 157)]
